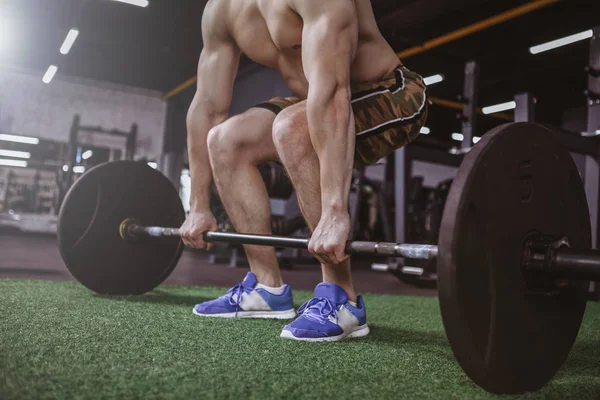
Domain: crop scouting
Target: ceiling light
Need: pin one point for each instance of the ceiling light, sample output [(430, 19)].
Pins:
[(19, 139), (476, 139), (458, 136), (6, 34), (13, 163), (50, 74), (561, 42), (425, 130), (499, 107), (433, 79), (139, 3), (79, 169), (153, 165), (15, 154), (87, 154), (69, 40), (65, 168)]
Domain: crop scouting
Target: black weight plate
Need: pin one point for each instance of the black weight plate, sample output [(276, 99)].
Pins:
[(517, 179), (88, 228)]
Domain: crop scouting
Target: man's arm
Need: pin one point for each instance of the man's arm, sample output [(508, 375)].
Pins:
[(329, 41), (216, 73)]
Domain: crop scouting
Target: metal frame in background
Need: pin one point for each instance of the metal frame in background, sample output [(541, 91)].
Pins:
[(76, 128), (525, 107), (593, 125), (470, 97), (592, 165)]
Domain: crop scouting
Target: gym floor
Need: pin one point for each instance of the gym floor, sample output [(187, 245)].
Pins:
[(59, 340)]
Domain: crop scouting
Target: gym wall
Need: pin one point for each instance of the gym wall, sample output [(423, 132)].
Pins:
[(31, 108), (255, 85)]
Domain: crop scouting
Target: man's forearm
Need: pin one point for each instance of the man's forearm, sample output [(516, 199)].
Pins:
[(199, 124), (331, 128)]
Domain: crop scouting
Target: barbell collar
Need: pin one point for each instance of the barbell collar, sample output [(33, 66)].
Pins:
[(406, 250), (553, 256)]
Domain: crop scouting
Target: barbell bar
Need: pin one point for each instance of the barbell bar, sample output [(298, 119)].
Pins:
[(131, 230)]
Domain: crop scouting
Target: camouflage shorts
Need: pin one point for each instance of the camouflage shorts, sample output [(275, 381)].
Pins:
[(387, 114)]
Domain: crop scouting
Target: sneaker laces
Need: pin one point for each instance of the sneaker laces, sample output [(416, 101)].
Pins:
[(237, 291), (323, 309)]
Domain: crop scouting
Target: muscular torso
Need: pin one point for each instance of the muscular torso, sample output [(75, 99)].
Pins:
[(270, 33)]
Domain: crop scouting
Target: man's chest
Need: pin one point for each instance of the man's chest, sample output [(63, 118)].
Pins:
[(284, 25), (269, 31)]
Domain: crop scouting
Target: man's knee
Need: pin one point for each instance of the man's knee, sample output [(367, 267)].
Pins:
[(242, 138), (215, 138), (215, 142), (225, 140), (290, 133)]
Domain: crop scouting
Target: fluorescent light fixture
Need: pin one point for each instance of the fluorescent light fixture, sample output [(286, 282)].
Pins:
[(380, 267), (460, 137), (412, 271), (15, 154), (598, 132), (19, 139), (425, 130), (50, 74), (87, 154), (139, 3), (561, 42), (433, 79), (499, 107), (69, 40), (6, 34), (13, 163), (153, 165), (79, 169), (65, 168)]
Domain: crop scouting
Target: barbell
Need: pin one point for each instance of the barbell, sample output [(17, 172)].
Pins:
[(514, 257)]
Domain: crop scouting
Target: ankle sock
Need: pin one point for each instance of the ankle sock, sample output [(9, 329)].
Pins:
[(273, 290)]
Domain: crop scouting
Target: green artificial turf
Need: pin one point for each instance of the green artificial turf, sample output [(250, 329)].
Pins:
[(59, 340)]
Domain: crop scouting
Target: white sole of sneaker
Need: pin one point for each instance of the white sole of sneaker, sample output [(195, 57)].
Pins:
[(357, 332), (287, 314)]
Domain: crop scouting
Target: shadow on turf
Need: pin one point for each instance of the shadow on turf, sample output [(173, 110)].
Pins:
[(582, 361), (160, 297), (398, 337)]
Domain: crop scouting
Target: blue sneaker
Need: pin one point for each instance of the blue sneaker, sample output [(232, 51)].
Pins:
[(246, 300), (328, 317)]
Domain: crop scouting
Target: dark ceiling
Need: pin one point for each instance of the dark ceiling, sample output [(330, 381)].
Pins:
[(157, 47)]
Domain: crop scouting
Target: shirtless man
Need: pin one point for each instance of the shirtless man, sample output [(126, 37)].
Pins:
[(354, 104)]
